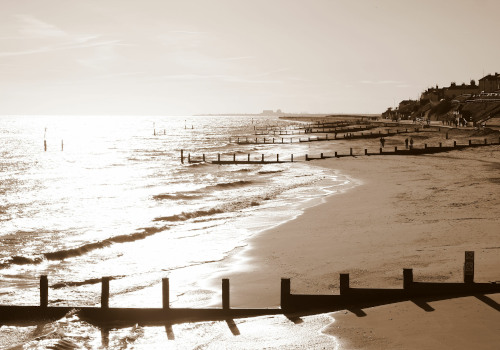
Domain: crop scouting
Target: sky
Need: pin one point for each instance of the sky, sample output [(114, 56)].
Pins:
[(166, 57)]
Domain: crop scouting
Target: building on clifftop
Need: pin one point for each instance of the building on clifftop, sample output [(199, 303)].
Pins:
[(489, 83)]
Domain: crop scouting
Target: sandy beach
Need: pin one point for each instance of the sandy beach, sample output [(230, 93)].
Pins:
[(420, 212)]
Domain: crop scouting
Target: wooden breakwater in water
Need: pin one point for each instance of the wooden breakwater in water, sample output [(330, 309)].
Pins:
[(406, 151), (296, 304), (410, 150), (336, 136)]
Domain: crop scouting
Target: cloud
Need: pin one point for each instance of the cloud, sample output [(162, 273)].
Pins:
[(78, 43), (34, 27)]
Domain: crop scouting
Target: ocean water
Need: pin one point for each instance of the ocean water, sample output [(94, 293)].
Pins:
[(110, 197)]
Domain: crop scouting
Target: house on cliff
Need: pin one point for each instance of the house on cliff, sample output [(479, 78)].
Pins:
[(490, 83), (455, 90), (433, 94)]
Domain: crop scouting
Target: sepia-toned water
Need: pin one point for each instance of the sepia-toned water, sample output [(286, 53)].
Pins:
[(110, 198)]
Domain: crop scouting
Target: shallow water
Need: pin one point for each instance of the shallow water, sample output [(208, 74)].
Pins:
[(116, 201)]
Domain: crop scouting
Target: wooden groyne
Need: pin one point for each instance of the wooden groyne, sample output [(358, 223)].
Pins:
[(289, 303), (314, 130), (406, 151), (277, 159), (347, 134)]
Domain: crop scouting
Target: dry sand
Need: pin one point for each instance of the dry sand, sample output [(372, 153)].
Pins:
[(419, 212)]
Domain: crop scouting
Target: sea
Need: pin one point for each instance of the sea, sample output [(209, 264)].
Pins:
[(82, 197)]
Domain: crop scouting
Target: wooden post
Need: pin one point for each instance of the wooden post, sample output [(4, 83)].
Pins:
[(262, 158), (282, 140), (189, 157), (447, 135), (380, 150), (225, 294), (203, 157), (44, 291), (322, 156), (234, 157), (45, 145), (277, 158), (285, 293), (182, 156), (292, 158), (454, 143), (470, 142), (440, 145), (469, 267), (307, 158), (485, 141), (395, 149), (425, 145), (218, 157), (165, 293), (105, 292), (273, 139), (335, 153), (350, 152), (344, 283), (407, 278), (248, 156), (366, 152)]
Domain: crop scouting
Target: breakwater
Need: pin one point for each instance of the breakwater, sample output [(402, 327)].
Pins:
[(296, 304)]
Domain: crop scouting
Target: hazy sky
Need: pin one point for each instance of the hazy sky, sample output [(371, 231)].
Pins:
[(165, 57)]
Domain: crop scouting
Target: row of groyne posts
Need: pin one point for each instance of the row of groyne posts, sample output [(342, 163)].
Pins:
[(289, 303), (411, 150)]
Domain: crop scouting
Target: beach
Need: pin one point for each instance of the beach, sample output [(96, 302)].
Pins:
[(420, 212)]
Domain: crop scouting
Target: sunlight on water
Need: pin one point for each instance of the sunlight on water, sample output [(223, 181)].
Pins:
[(110, 197)]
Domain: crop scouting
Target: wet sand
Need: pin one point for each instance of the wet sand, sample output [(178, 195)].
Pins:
[(419, 212)]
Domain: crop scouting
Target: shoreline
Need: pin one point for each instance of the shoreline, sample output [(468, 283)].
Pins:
[(419, 212)]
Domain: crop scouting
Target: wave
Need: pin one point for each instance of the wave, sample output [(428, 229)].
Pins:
[(77, 284), (238, 183), (265, 172), (176, 196), (190, 215), (83, 249)]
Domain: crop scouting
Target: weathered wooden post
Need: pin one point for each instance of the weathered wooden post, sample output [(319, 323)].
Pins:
[(380, 150), (218, 157), (335, 154), (234, 157), (350, 152), (282, 140), (327, 137), (285, 293), (470, 142), (248, 157), (278, 158), (225, 294), (321, 156), (407, 278), (366, 152), (262, 158), (165, 293), (469, 267), (344, 283), (203, 157), (454, 143), (189, 157), (44, 291), (307, 158), (182, 156), (395, 149), (273, 139), (485, 141), (292, 158), (440, 144), (105, 292)]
